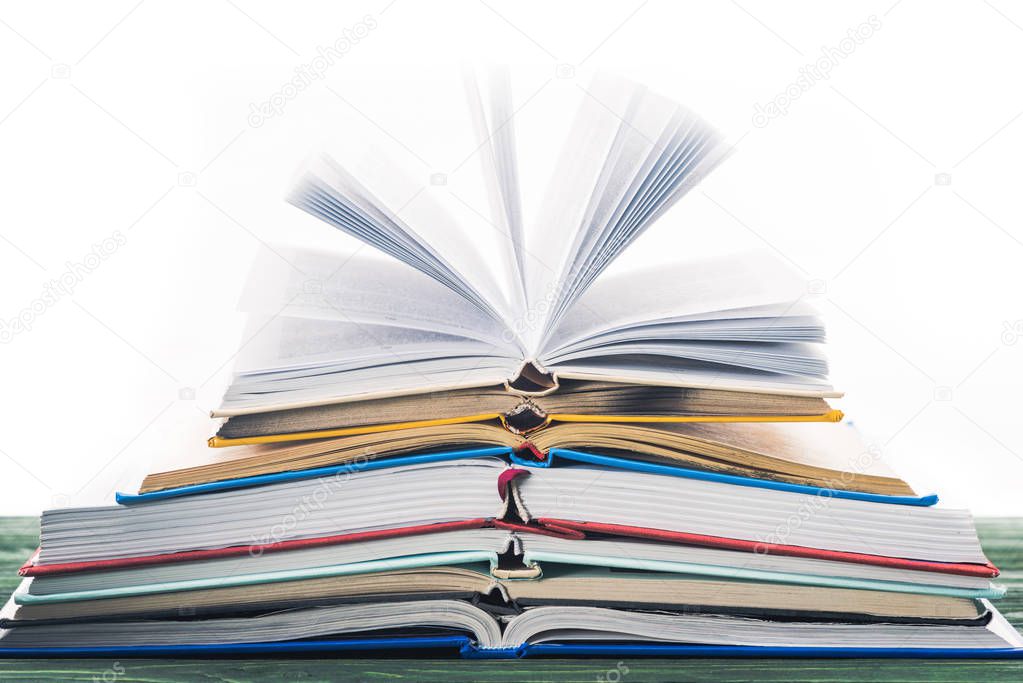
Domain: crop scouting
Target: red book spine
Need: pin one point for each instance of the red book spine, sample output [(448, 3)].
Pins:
[(31, 569), (965, 568)]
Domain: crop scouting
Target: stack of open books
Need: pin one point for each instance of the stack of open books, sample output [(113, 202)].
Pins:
[(421, 452)]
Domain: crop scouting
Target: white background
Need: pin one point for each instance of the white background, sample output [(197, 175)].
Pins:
[(892, 186)]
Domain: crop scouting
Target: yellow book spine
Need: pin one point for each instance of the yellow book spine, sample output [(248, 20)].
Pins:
[(218, 442), (830, 416)]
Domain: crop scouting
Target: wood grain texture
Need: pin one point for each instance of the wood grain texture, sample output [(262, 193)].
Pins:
[(1002, 538)]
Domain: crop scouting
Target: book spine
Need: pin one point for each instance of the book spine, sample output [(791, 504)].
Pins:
[(962, 568)]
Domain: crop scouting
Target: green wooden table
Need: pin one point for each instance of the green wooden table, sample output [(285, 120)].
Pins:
[(1002, 538)]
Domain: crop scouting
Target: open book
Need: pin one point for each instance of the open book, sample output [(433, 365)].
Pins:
[(806, 454), (602, 627), (562, 584), (478, 490), (350, 345)]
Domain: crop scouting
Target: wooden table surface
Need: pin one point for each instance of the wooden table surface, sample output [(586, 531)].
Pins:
[(1002, 538)]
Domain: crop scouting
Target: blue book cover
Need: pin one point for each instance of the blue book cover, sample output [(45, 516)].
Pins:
[(556, 457)]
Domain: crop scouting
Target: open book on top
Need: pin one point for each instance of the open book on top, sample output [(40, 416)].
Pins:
[(347, 344)]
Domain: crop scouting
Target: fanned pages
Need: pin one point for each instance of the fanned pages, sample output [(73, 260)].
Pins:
[(341, 328), (655, 152), (494, 121), (330, 192)]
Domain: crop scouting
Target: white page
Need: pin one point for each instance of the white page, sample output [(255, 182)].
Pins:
[(691, 151), (363, 287), (777, 357), (327, 189), (490, 103), (652, 149), (564, 208), (674, 372), (434, 375), (645, 129), (283, 342), (764, 329), (670, 291)]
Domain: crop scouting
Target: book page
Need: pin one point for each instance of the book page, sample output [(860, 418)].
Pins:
[(490, 103), (281, 343), (334, 194), (632, 155), (564, 208), (696, 289), (679, 372), (771, 357), (361, 287)]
